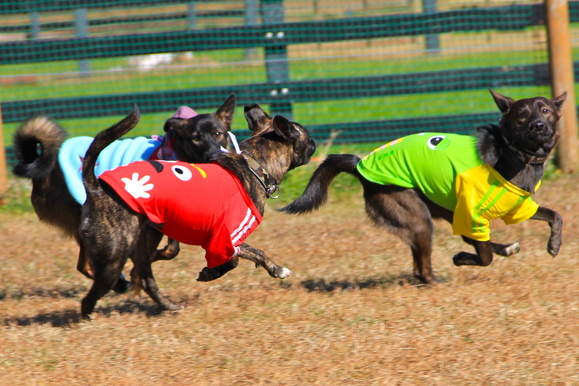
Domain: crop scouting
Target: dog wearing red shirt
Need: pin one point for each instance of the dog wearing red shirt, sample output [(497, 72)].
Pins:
[(120, 207), (218, 217)]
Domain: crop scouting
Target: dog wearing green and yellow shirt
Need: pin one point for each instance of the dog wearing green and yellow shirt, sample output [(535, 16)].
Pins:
[(466, 180)]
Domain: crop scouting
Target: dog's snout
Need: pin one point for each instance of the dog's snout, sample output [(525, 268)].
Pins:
[(538, 125), (540, 130), (311, 148)]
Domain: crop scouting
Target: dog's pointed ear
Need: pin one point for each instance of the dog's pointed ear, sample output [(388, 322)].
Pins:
[(284, 128), (225, 112), (257, 119), (558, 102), (503, 102), (174, 123)]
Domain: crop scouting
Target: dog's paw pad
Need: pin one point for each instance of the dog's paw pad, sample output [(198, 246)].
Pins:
[(284, 273)]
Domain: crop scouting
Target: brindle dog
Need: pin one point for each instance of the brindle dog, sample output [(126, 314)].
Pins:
[(518, 149), (37, 144), (112, 232)]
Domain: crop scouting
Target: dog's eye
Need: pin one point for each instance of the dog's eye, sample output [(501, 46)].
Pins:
[(522, 115), (182, 172), (545, 110)]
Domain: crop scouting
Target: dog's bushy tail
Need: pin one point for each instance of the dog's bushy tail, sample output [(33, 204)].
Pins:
[(36, 144), (316, 193), (102, 140)]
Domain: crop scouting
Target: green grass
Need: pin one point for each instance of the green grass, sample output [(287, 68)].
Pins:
[(307, 113), (54, 83), (325, 112), (16, 199)]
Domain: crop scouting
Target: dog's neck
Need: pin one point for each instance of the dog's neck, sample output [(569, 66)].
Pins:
[(269, 183), (523, 168)]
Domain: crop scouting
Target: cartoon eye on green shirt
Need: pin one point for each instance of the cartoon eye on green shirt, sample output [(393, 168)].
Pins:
[(447, 169)]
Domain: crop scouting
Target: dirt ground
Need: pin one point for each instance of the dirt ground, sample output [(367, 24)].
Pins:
[(350, 314)]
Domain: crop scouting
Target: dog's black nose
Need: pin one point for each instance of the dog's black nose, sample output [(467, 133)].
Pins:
[(539, 125), (311, 148)]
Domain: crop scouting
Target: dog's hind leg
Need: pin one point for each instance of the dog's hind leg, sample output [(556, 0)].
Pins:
[(143, 272), (150, 287), (83, 264), (247, 252), (404, 214), (168, 252), (106, 273), (556, 223)]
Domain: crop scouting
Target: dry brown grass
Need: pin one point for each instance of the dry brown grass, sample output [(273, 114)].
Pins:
[(350, 313)]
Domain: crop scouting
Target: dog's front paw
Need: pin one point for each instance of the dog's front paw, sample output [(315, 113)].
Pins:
[(513, 249), (553, 247), (465, 258), (284, 273), (209, 274)]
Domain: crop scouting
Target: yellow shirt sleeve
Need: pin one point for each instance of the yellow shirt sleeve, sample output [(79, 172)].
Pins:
[(522, 213), (483, 195)]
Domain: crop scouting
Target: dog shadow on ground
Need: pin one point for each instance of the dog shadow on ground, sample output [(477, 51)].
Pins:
[(58, 292), (384, 281), (71, 316)]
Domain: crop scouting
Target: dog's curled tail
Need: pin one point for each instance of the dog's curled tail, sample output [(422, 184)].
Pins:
[(102, 140), (316, 192), (37, 143)]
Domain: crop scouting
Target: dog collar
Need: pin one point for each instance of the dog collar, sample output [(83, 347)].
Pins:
[(528, 157), (272, 189)]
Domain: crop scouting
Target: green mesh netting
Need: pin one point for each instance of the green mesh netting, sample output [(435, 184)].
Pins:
[(371, 70)]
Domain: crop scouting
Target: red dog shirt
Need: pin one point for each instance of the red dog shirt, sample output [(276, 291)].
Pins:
[(203, 204)]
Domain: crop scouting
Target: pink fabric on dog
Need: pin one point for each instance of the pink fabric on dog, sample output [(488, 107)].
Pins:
[(184, 112)]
